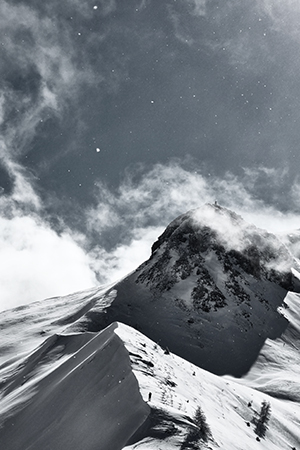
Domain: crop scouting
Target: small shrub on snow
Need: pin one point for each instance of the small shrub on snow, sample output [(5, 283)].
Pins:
[(261, 422), (200, 421), (202, 432)]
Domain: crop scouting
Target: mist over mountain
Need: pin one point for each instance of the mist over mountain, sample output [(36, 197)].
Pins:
[(128, 365)]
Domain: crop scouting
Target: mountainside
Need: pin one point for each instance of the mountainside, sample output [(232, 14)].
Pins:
[(209, 292), (97, 369)]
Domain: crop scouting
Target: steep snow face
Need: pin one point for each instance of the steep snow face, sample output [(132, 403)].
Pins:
[(74, 392), (209, 292)]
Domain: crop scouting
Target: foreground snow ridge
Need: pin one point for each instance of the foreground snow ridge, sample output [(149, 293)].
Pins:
[(118, 389), (66, 397)]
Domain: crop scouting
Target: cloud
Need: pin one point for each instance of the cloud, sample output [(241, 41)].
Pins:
[(36, 262), (199, 7), (44, 71), (236, 234), (180, 32), (114, 264), (285, 16), (249, 33), (128, 221), (23, 193), (35, 68), (146, 198), (44, 67), (107, 7)]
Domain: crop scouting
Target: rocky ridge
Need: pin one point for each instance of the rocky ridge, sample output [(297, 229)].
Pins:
[(187, 246)]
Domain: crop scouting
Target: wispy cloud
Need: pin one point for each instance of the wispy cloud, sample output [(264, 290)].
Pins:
[(107, 7), (160, 194), (43, 69), (35, 70), (284, 15), (38, 262), (199, 7), (248, 32), (146, 202)]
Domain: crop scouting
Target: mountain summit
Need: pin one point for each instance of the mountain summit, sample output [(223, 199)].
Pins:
[(192, 243), (209, 291)]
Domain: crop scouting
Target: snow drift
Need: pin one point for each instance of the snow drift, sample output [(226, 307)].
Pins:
[(65, 398)]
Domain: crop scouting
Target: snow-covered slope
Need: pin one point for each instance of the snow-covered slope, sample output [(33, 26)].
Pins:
[(118, 388), (97, 370), (25, 327), (179, 388), (73, 392)]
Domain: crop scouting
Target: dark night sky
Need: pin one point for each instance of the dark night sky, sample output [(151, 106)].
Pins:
[(117, 116)]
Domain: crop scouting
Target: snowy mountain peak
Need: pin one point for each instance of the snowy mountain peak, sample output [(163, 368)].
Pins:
[(213, 225), (212, 285), (214, 239), (212, 217)]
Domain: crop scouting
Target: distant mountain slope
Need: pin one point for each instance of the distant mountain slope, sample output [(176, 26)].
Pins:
[(276, 370)]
